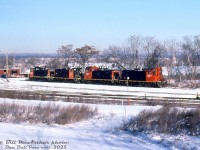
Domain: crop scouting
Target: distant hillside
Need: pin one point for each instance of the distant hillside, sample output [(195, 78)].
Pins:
[(31, 55)]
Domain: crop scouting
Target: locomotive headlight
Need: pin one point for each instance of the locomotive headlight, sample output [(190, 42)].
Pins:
[(127, 78)]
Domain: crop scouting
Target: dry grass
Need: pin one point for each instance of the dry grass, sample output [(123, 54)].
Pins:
[(48, 114), (193, 84), (166, 120)]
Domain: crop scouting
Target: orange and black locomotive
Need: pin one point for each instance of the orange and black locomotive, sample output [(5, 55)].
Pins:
[(146, 77)]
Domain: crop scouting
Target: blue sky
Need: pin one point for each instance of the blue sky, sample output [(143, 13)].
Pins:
[(44, 25)]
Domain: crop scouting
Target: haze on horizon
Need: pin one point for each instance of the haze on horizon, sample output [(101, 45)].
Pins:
[(43, 26)]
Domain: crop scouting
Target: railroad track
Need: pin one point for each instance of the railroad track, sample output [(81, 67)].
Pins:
[(99, 89), (101, 98)]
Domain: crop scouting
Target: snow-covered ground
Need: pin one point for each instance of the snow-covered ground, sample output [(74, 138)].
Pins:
[(71, 88), (100, 132)]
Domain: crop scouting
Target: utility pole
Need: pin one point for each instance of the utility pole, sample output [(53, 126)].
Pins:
[(0, 51), (13, 66), (7, 63)]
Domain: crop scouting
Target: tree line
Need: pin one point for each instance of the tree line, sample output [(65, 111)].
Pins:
[(135, 52), (139, 52)]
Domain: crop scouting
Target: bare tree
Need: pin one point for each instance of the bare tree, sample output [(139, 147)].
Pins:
[(66, 52), (53, 63), (172, 55), (85, 53), (134, 45), (149, 47), (32, 62), (2, 62), (139, 51), (153, 60), (191, 54), (143, 51), (116, 55)]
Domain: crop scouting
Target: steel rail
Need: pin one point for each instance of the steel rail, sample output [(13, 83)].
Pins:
[(98, 98)]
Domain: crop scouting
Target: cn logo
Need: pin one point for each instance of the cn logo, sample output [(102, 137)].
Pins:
[(149, 75)]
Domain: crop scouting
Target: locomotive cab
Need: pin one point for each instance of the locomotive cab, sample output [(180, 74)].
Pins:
[(155, 76), (115, 75), (39, 73), (88, 72)]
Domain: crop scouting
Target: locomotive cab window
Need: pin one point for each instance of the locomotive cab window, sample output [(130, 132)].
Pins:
[(154, 72), (14, 71), (86, 69), (37, 68), (149, 72)]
